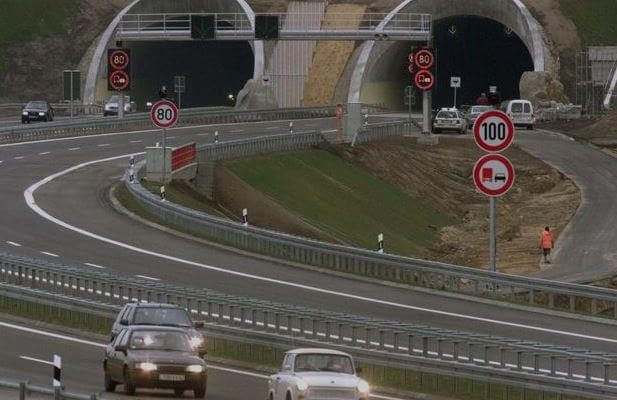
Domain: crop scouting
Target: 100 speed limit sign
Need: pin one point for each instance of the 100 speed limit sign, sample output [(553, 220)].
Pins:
[(164, 114), (493, 131)]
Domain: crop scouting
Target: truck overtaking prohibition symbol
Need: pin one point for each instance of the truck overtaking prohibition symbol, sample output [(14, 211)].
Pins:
[(493, 175)]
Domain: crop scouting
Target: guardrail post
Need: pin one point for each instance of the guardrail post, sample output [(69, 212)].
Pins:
[(502, 357), (341, 333), (570, 367), (439, 348), (588, 371), (301, 325), (397, 339), (607, 377), (531, 296), (553, 365), (254, 318), (594, 306), (536, 363), (455, 350), (232, 310), (551, 300), (277, 322), (22, 390), (573, 304), (425, 346), (367, 337), (519, 359), (57, 394)]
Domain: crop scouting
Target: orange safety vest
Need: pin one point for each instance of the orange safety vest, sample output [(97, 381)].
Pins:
[(546, 239)]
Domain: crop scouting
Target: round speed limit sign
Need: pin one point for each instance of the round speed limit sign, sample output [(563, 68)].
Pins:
[(164, 114), (493, 131)]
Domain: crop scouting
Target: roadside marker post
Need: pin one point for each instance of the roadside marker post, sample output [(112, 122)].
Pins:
[(493, 174), (57, 380), (291, 127), (380, 243), (245, 219), (216, 137), (162, 193)]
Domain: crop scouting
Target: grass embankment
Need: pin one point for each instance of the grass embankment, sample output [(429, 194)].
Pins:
[(594, 20), (343, 199), (24, 20)]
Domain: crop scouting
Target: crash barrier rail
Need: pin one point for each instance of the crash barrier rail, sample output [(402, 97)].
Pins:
[(25, 389), (85, 127), (386, 343), (383, 130), (520, 290)]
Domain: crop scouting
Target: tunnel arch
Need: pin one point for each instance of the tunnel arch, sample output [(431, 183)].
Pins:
[(95, 87), (510, 13)]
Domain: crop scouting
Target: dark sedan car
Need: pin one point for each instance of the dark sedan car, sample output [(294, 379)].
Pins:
[(37, 111), (154, 357)]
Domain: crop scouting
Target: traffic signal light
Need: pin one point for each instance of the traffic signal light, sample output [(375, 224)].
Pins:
[(203, 27), (266, 27)]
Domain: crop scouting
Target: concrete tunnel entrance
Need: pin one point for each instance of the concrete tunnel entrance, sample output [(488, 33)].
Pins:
[(213, 70)]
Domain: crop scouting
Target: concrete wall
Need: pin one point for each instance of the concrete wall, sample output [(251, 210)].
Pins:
[(370, 69), (95, 88)]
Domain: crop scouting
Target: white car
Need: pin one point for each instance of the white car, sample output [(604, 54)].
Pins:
[(449, 119), (112, 105), (317, 374)]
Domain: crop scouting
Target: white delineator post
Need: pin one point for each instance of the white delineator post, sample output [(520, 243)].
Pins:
[(57, 363), (291, 127), (216, 137), (132, 169), (380, 243), (163, 193), (245, 220)]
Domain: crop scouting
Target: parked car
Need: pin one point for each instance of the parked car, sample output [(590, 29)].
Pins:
[(156, 314), (317, 374), (520, 111), (112, 105), (154, 357), (474, 112), (449, 119), (37, 111)]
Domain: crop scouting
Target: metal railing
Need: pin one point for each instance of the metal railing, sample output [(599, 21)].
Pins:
[(382, 342), (573, 298), (25, 389), (237, 26), (141, 121)]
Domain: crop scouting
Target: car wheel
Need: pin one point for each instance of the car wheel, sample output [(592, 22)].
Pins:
[(51, 118), (288, 397), (110, 385), (129, 387), (199, 392)]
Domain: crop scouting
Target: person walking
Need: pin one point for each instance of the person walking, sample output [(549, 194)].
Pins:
[(547, 242), (482, 100)]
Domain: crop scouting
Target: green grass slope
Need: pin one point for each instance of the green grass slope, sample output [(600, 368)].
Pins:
[(343, 199), (594, 20), (23, 20)]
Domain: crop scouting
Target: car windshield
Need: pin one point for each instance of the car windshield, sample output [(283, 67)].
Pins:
[(160, 340), (37, 104), (324, 362), (517, 107), (447, 114), (162, 316), (115, 99), (480, 109)]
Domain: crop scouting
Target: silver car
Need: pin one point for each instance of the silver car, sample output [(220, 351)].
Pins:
[(449, 119), (474, 112), (310, 374)]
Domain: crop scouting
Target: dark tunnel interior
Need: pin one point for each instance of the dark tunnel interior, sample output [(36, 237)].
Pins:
[(481, 51), (213, 70)]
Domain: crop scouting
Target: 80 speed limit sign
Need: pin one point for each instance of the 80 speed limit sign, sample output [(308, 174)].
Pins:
[(164, 114), (493, 131)]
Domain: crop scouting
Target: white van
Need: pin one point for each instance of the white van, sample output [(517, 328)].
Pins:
[(520, 111)]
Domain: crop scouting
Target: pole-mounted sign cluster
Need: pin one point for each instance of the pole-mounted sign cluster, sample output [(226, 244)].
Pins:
[(424, 60), (493, 174), (119, 71)]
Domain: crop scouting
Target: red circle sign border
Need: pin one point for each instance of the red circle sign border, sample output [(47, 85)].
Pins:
[(126, 57), (158, 104), (478, 182), (424, 51), (119, 72), (423, 87), (510, 134)]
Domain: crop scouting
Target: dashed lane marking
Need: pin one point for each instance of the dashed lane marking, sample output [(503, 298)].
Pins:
[(94, 265), (13, 243), (103, 145), (148, 278), (19, 157), (49, 254), (73, 148), (37, 360), (44, 153)]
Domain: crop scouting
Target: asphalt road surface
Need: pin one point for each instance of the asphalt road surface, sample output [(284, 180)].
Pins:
[(79, 198)]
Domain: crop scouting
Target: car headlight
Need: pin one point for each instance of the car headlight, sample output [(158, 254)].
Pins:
[(302, 386), (24, 113), (196, 369), (41, 114), (147, 366), (363, 387), (196, 341)]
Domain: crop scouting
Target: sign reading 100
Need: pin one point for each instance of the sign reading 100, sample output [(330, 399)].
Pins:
[(493, 131)]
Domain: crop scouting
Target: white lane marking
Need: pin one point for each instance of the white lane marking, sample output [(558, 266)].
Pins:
[(135, 141), (49, 254), (172, 137), (103, 145), (19, 157), (1, 161), (73, 148), (101, 345), (271, 128), (203, 134), (94, 265), (13, 243), (38, 360), (29, 197), (236, 130), (44, 153), (148, 277), (146, 131)]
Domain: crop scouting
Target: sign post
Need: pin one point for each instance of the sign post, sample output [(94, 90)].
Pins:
[(409, 98), (493, 174), (455, 82), (164, 114), (118, 74), (424, 80), (72, 81), (180, 87)]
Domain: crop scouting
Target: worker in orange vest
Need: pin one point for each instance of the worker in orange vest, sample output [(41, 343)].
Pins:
[(547, 242)]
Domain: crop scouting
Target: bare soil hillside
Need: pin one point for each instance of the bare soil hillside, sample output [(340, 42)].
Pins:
[(441, 176)]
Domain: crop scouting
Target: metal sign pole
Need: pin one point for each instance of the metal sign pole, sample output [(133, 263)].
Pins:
[(71, 77), (426, 113), (121, 105), (164, 154), (454, 97), (492, 234)]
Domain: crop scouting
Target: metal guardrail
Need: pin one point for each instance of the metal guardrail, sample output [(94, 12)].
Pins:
[(60, 129), (382, 342), (25, 388), (238, 26), (528, 291)]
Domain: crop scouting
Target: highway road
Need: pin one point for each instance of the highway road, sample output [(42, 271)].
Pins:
[(26, 353), (79, 199)]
